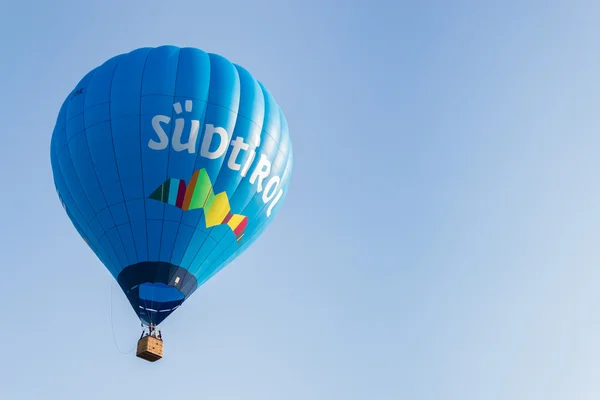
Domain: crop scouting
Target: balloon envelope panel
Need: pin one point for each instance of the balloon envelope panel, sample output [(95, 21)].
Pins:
[(169, 162)]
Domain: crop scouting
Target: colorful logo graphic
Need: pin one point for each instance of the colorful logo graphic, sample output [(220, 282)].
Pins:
[(199, 194)]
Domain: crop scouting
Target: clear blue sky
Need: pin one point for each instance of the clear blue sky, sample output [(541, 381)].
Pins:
[(440, 238)]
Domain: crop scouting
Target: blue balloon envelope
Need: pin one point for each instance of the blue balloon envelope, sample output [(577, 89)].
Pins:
[(169, 162)]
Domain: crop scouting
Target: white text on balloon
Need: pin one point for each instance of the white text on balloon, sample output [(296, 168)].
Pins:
[(211, 133)]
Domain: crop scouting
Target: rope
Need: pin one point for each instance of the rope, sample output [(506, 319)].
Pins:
[(113, 325)]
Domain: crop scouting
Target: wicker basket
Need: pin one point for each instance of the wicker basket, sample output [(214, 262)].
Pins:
[(150, 348)]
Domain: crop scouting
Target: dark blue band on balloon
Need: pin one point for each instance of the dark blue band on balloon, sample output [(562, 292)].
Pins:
[(156, 289)]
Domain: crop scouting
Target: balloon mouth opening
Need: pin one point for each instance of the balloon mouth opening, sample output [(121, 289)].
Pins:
[(156, 300), (156, 289)]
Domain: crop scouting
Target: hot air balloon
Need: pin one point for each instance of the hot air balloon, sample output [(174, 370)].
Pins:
[(169, 162)]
